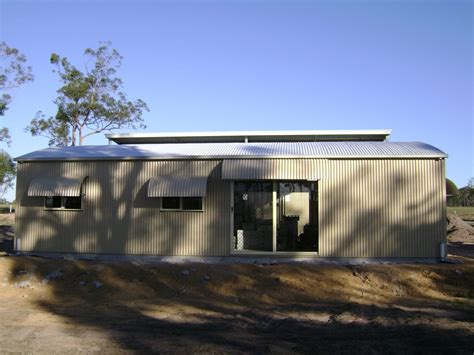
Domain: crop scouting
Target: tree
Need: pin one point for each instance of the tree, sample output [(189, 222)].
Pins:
[(467, 194), (89, 101), (7, 172), (452, 193), (13, 73)]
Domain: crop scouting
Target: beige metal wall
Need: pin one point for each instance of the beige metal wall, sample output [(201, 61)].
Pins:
[(118, 217), (383, 208), (368, 208)]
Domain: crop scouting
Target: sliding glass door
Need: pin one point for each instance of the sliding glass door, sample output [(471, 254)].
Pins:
[(253, 211), (275, 216), (297, 216)]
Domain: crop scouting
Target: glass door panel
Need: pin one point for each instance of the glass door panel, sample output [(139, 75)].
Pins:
[(297, 216), (253, 216)]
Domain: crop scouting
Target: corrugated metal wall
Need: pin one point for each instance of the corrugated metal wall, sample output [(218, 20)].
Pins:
[(117, 216), (368, 208), (382, 208), (273, 169)]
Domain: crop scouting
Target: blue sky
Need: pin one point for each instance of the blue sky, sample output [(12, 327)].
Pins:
[(260, 65)]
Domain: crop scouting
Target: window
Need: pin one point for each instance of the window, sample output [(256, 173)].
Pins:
[(52, 202), (191, 203), (181, 203), (170, 203), (63, 202)]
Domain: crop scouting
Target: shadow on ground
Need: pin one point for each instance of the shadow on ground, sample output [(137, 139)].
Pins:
[(6, 239), (261, 308)]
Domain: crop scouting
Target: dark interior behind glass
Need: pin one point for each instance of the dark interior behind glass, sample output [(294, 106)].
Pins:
[(170, 203), (191, 203)]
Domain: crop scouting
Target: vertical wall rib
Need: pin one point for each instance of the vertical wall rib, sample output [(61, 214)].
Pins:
[(367, 208), (382, 208), (117, 217)]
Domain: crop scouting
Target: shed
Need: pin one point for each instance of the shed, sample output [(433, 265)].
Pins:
[(346, 194)]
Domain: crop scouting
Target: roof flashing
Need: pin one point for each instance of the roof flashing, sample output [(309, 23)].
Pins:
[(370, 135)]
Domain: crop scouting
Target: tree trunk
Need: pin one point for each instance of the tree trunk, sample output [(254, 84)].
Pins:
[(73, 135), (81, 137)]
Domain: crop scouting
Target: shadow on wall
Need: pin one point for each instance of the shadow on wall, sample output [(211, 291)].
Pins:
[(391, 210), (251, 308), (118, 218), (367, 209)]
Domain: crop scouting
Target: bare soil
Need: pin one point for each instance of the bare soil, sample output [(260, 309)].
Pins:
[(459, 231), (71, 306), (85, 306)]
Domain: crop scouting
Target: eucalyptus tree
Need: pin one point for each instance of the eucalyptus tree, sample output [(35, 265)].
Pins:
[(13, 72), (89, 101)]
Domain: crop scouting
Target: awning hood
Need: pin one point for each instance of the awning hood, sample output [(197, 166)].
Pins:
[(55, 186), (271, 169), (177, 186)]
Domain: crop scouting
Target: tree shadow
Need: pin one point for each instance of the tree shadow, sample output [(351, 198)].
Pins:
[(243, 308), (254, 308), (7, 234)]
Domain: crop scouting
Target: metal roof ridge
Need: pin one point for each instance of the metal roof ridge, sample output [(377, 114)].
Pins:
[(251, 133)]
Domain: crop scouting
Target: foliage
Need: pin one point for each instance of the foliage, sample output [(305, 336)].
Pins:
[(89, 101), (466, 195), (7, 172), (13, 73), (451, 188), (452, 193)]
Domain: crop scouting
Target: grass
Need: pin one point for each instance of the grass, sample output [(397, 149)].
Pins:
[(463, 212)]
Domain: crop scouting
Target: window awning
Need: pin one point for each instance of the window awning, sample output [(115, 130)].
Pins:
[(177, 186), (270, 169), (55, 186)]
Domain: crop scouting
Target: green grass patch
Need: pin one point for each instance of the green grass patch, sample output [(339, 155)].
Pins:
[(463, 212)]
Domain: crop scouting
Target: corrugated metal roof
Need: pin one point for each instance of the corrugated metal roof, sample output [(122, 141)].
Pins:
[(270, 169), (240, 150), (177, 186), (55, 186)]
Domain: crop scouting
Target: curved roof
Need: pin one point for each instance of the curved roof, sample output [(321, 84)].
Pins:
[(239, 150)]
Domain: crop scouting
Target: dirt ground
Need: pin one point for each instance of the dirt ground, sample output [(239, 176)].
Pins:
[(109, 307), (459, 231)]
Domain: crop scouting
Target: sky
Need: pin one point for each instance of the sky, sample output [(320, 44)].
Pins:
[(264, 65)]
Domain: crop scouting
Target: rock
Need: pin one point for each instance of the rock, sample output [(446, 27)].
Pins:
[(185, 272), (23, 284), (53, 275), (97, 284), (458, 272), (206, 278)]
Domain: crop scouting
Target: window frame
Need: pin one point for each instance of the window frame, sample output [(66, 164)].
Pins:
[(63, 204), (181, 209)]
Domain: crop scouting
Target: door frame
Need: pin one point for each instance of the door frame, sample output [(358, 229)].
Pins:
[(274, 252)]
